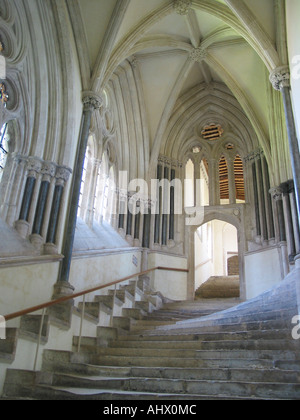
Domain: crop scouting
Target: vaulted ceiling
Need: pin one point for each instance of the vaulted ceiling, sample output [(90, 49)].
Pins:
[(181, 44)]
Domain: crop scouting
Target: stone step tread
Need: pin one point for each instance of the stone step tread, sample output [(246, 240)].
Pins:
[(243, 335), (177, 374), (196, 388), (187, 345), (110, 395), (205, 360), (185, 352), (160, 337), (127, 383)]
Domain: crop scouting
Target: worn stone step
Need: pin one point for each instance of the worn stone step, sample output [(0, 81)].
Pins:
[(8, 347), (290, 375), (109, 301), (94, 308), (30, 328), (146, 306), (155, 385), (199, 351), (194, 327), (42, 392), (179, 386), (190, 340), (122, 322), (134, 313), (251, 345), (206, 359)]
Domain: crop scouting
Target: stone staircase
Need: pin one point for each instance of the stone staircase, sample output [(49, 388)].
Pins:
[(219, 287), (205, 350)]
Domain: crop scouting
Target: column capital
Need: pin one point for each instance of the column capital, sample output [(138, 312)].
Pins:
[(280, 78), (182, 7), (276, 193), (91, 101), (48, 171), (34, 166), (62, 175)]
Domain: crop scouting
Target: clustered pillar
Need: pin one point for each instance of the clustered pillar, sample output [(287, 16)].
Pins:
[(265, 230), (41, 204)]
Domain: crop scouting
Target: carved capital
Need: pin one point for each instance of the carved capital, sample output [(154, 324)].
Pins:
[(182, 7), (280, 78), (198, 54), (48, 171), (34, 167), (91, 101), (62, 175), (276, 193)]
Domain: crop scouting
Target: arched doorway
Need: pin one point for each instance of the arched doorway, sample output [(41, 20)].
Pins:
[(217, 261), (231, 218)]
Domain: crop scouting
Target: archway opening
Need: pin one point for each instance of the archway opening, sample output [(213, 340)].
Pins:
[(217, 265)]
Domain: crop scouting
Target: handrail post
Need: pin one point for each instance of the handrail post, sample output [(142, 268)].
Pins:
[(39, 339), (81, 324)]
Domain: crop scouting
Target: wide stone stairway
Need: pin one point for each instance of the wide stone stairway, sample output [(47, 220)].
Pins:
[(209, 349)]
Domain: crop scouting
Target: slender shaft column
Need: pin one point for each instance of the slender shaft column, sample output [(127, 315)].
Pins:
[(34, 167), (172, 207), (158, 208), (256, 201), (280, 80), (91, 102), (294, 216), (61, 177), (262, 204), (277, 196), (268, 200), (48, 171), (166, 207), (147, 224), (288, 221)]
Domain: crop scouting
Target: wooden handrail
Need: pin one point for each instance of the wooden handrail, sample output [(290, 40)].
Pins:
[(85, 292)]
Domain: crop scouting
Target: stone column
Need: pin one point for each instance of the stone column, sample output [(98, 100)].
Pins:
[(280, 79), (61, 177), (268, 200), (294, 216), (277, 197), (91, 103), (166, 207), (256, 201), (172, 207), (262, 204), (288, 221), (48, 172), (147, 223), (129, 226), (34, 167), (157, 225)]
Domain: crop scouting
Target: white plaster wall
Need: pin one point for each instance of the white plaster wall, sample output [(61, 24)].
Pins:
[(262, 272), (30, 285), (25, 286), (293, 34), (89, 272), (171, 284), (203, 257)]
